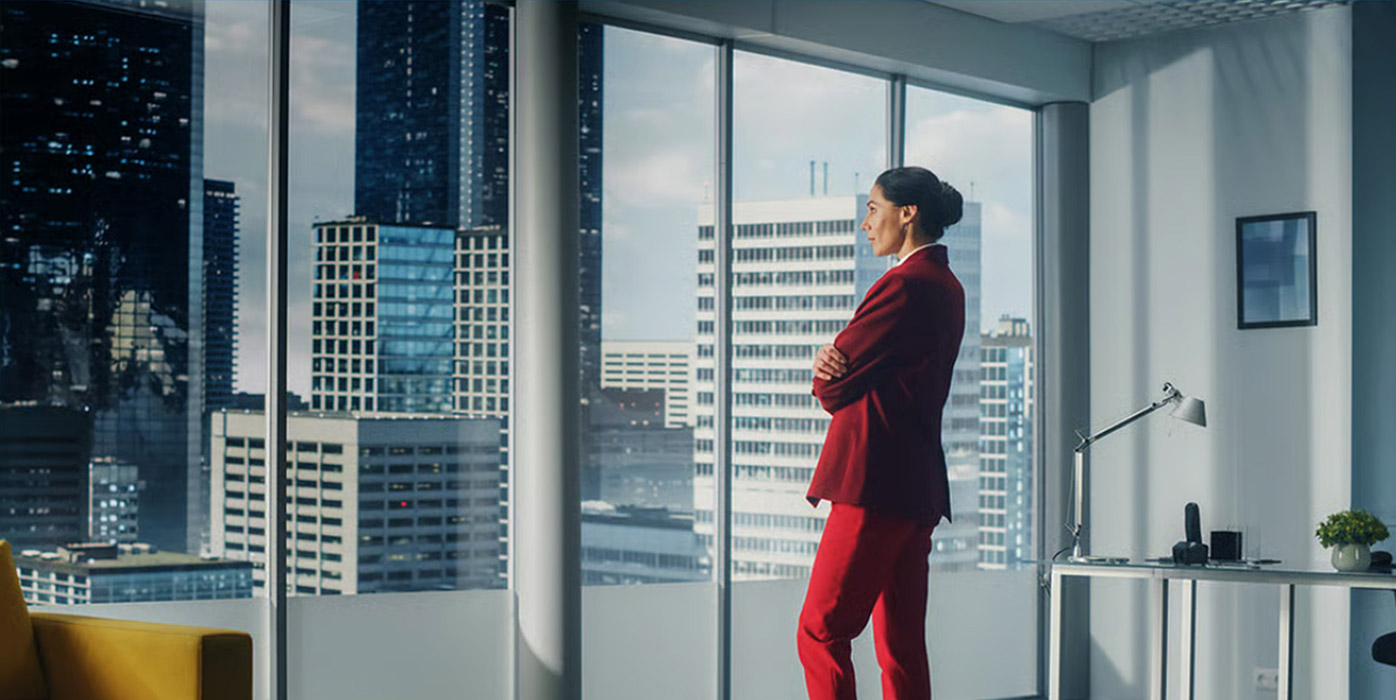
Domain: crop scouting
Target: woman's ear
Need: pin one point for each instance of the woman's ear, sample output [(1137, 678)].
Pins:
[(908, 213)]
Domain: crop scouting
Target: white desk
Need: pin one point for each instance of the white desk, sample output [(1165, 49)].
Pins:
[(1159, 576)]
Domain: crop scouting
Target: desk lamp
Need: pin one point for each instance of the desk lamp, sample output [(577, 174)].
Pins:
[(1188, 408)]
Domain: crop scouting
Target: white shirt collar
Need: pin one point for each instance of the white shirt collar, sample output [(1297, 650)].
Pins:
[(908, 255)]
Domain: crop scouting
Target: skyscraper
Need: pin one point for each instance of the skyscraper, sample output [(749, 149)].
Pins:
[(382, 318), (799, 271), (44, 452), (432, 130), (1006, 446), (590, 73), (432, 148), (101, 206), (220, 280), (960, 423)]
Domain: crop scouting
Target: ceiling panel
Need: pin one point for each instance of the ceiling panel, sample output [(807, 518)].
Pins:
[(1111, 20)]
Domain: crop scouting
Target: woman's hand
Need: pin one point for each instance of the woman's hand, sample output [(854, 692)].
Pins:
[(829, 363)]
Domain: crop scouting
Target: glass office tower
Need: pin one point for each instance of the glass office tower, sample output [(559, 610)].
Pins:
[(383, 318), (101, 206)]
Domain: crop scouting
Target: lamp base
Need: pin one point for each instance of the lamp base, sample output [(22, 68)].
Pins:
[(1092, 559)]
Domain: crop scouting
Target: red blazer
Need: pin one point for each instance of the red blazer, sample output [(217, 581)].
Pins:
[(883, 449)]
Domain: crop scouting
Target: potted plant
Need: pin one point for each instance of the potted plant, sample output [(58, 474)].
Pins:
[(1351, 533)]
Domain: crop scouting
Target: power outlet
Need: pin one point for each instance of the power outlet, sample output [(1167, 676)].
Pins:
[(1267, 679)]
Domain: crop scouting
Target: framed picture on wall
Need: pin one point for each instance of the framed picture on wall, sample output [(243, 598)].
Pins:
[(1277, 270)]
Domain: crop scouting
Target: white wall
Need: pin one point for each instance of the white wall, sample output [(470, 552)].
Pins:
[(1190, 130)]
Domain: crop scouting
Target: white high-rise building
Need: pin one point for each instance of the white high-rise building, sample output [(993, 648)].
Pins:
[(799, 271), (376, 502), (652, 364), (482, 322)]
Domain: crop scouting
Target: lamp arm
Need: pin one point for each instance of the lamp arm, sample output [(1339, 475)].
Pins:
[(1077, 527), (1170, 395)]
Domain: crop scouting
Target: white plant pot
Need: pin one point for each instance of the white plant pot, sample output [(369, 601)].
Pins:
[(1351, 557)]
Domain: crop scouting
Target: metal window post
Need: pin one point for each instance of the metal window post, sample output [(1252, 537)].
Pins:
[(275, 406), (722, 374)]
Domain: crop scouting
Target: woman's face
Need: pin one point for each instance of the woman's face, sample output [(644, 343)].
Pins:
[(886, 224)]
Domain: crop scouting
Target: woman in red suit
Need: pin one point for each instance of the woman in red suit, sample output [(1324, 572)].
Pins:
[(884, 381)]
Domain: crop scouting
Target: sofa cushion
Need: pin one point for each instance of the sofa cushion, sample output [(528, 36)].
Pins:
[(20, 675)]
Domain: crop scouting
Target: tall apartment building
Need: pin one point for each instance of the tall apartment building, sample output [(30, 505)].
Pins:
[(113, 501), (651, 364), (376, 502), (1006, 446), (44, 455), (797, 271), (127, 573), (102, 207), (382, 315)]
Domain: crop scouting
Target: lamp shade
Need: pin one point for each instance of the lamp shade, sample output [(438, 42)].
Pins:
[(1192, 410)]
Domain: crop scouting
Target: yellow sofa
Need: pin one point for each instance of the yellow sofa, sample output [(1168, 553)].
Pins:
[(71, 657)]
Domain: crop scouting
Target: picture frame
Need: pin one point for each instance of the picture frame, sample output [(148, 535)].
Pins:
[(1277, 270)]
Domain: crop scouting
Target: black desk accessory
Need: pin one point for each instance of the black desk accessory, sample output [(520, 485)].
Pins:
[(1191, 550), (1226, 545)]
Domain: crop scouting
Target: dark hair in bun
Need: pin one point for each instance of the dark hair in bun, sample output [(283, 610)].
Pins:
[(939, 205)]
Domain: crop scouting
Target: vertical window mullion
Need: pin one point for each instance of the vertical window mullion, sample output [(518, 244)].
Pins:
[(722, 374), (275, 406)]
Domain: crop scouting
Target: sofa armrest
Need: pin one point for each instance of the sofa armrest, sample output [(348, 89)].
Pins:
[(89, 658)]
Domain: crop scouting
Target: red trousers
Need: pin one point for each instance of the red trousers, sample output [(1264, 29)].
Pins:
[(868, 564)]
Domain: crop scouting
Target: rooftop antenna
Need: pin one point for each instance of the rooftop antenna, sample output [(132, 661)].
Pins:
[(826, 178), (811, 178), (856, 188), (971, 191)]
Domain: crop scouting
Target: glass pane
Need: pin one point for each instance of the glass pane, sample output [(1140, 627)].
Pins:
[(400, 323), (132, 304), (647, 137), (135, 137), (808, 143), (985, 150), (398, 297)]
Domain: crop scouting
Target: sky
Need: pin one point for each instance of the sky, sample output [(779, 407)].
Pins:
[(658, 162)]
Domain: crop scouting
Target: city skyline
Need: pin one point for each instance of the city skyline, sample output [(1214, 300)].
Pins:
[(657, 157), (388, 331)]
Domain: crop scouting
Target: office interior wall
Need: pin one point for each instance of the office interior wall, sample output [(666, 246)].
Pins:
[(1190, 130)]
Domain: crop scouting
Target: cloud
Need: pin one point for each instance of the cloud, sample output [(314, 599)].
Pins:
[(322, 85), (1002, 222), (991, 145), (673, 176)]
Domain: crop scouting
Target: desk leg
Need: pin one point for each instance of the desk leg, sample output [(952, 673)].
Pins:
[(1054, 639), (1286, 642), (1160, 664), (1188, 652)]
